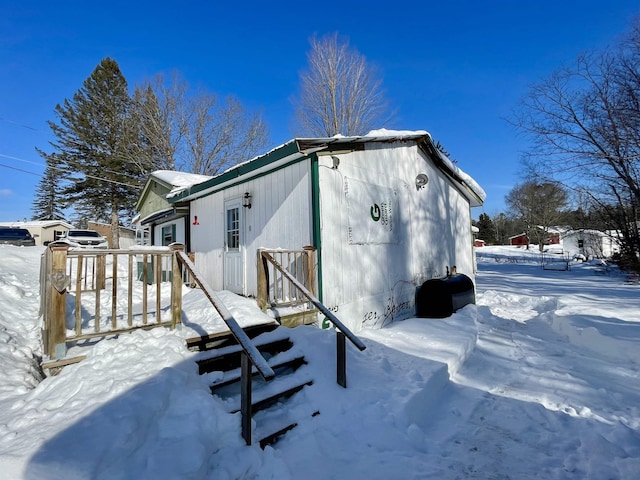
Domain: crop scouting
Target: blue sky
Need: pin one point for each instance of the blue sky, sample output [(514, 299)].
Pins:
[(454, 68)]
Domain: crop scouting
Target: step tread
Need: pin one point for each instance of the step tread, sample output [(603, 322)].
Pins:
[(280, 361), (204, 343), (268, 393), (228, 358), (273, 424), (279, 333)]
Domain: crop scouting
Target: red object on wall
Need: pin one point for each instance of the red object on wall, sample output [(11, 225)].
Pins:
[(195, 220)]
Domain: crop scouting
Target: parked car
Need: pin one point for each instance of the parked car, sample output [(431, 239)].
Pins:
[(16, 236), (85, 239)]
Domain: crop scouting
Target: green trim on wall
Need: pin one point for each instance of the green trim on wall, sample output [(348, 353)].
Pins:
[(315, 215)]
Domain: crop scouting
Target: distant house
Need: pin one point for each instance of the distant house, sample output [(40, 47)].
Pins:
[(127, 235), (44, 231), (519, 240), (383, 212), (160, 222), (478, 243), (590, 243)]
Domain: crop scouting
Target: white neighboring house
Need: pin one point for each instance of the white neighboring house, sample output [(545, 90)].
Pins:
[(384, 212), (590, 243), (43, 231)]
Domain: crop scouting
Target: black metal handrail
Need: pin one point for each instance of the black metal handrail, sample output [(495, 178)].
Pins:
[(249, 355), (243, 339), (342, 331)]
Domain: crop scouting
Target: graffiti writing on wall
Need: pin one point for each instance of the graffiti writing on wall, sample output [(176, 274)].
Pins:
[(394, 309)]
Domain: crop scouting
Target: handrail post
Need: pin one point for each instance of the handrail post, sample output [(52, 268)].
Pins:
[(341, 360), (176, 285), (58, 281), (245, 396)]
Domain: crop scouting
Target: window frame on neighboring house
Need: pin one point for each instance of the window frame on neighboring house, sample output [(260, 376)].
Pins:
[(168, 234)]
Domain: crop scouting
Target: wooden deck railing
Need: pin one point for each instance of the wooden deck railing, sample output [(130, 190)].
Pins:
[(267, 263), (93, 281), (277, 292)]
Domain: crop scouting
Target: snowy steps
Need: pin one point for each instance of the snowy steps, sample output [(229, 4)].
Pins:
[(276, 405)]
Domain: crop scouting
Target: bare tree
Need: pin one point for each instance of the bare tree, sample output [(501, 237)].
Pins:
[(585, 123), (539, 205), (197, 132), (339, 92), (159, 105)]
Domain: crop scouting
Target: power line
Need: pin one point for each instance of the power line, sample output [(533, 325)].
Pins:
[(20, 170), (63, 170), (19, 124)]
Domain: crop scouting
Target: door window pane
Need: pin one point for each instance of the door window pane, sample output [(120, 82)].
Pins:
[(233, 228)]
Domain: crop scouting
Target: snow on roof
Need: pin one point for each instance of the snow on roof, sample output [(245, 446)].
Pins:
[(36, 223), (179, 180), (383, 132)]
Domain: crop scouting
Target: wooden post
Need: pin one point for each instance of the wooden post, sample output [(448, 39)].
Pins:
[(80, 260), (101, 272), (263, 281), (158, 278), (130, 291), (176, 285), (58, 282), (145, 282), (311, 268), (114, 293)]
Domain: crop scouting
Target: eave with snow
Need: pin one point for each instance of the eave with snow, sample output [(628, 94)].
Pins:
[(164, 221), (383, 212)]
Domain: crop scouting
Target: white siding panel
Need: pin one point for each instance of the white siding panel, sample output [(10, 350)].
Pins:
[(279, 217), (373, 284)]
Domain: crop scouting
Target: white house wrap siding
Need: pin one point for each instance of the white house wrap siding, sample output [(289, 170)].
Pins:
[(389, 213), (372, 282), (279, 217)]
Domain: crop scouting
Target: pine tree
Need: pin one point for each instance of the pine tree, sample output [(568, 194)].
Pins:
[(97, 148), (487, 231), (46, 205)]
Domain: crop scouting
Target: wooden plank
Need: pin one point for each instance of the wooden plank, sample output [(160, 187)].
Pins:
[(145, 282), (263, 281), (79, 296), (130, 293), (176, 286), (63, 362), (114, 292), (251, 331), (58, 313), (109, 333), (158, 277)]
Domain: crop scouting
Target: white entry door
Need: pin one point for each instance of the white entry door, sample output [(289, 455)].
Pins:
[(233, 247)]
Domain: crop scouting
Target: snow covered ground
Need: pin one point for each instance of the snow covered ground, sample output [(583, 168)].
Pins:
[(538, 380)]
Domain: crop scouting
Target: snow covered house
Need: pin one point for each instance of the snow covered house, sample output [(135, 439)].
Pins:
[(158, 221), (590, 243), (384, 212)]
